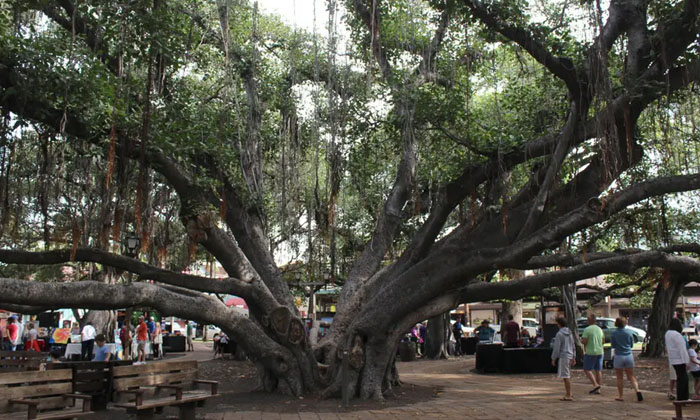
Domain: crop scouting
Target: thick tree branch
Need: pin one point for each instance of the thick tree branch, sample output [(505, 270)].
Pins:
[(205, 309), (561, 67), (245, 289), (531, 285)]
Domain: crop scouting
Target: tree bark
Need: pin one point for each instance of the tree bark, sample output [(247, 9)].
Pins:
[(662, 311), (437, 336), (568, 293)]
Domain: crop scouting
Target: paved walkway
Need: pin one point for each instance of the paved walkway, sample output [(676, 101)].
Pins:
[(468, 395)]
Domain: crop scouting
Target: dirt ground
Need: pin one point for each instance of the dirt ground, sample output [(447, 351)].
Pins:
[(237, 385)]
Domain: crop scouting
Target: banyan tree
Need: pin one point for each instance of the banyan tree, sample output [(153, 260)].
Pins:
[(406, 151)]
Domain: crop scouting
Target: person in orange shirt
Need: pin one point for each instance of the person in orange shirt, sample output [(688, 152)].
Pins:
[(141, 340)]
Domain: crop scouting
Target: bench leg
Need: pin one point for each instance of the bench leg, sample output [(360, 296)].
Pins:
[(145, 414), (187, 411)]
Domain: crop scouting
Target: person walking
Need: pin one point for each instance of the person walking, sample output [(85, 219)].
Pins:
[(190, 336), (678, 357), (592, 340), (563, 352), (87, 337), (622, 340)]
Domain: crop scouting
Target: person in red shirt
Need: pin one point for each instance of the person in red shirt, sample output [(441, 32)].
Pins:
[(12, 329), (141, 340), (512, 332)]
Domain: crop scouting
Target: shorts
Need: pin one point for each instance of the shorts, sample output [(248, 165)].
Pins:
[(695, 373), (593, 362), (141, 346), (623, 362), (564, 368), (671, 372)]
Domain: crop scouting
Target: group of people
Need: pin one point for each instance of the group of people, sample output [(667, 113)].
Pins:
[(144, 332), (512, 336), (621, 340), (682, 358), (15, 336)]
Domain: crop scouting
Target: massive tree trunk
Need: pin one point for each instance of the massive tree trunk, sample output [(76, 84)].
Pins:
[(438, 336), (663, 308)]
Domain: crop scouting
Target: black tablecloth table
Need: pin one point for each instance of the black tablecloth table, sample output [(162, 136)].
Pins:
[(469, 345), (528, 360), (489, 357), (174, 343)]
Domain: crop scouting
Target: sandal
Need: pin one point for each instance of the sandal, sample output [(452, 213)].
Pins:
[(639, 396), (619, 399), (566, 399), (671, 396), (595, 390)]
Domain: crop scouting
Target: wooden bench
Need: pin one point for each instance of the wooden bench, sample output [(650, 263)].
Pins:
[(20, 361), (161, 384), (92, 378), (40, 395), (679, 408)]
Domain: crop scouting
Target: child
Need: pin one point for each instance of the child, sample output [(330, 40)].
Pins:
[(694, 366), (32, 336), (102, 353)]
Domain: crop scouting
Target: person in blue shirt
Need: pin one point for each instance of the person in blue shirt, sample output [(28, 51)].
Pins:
[(151, 326), (102, 353), (484, 332), (622, 340)]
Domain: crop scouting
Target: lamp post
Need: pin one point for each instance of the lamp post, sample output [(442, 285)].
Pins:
[(131, 244)]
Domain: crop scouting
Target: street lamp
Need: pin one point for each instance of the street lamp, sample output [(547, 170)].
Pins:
[(131, 244)]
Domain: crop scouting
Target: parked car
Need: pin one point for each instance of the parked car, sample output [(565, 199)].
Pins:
[(531, 325), (607, 325)]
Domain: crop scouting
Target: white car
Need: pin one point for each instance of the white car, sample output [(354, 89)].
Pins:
[(531, 325)]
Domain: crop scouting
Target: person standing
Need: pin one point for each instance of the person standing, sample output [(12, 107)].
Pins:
[(622, 340), (592, 340), (678, 357), (511, 332), (484, 332), (32, 339), (125, 337), (11, 334), (87, 340), (697, 323), (157, 340), (190, 336), (457, 333), (563, 352), (141, 340), (694, 367)]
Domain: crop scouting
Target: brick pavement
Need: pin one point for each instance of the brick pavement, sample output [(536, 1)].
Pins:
[(467, 395)]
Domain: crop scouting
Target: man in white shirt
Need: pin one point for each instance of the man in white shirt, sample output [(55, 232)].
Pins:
[(87, 337)]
